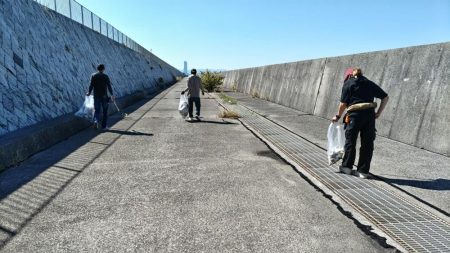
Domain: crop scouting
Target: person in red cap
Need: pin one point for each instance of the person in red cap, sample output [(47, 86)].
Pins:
[(348, 73), (357, 97)]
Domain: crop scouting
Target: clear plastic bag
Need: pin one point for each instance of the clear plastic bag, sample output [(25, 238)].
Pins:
[(87, 109), (183, 107), (336, 142)]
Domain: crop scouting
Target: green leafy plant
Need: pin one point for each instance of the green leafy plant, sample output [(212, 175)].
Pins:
[(212, 81)]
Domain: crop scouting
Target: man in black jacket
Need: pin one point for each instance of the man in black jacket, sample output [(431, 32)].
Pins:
[(101, 84), (357, 97)]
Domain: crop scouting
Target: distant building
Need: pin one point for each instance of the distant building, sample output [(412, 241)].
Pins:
[(185, 68)]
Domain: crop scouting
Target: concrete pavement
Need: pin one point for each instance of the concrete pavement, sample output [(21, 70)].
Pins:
[(156, 183)]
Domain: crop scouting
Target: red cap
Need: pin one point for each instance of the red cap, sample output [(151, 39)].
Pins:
[(348, 73)]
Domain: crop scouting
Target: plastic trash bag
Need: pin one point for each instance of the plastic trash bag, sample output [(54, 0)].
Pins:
[(87, 109), (336, 142), (183, 107)]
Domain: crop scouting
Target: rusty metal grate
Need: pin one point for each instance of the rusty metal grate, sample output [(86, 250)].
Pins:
[(411, 226)]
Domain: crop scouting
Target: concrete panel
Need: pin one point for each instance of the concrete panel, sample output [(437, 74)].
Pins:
[(292, 84), (434, 127)]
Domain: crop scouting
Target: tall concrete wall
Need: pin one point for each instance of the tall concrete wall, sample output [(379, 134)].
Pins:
[(46, 61), (416, 78)]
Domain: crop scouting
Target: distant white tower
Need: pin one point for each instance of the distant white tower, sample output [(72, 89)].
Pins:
[(185, 68)]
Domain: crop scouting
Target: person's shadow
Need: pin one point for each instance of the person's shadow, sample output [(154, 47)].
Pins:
[(440, 184), (132, 132), (213, 122)]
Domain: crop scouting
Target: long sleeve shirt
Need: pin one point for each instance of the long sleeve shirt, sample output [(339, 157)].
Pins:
[(101, 84), (194, 84)]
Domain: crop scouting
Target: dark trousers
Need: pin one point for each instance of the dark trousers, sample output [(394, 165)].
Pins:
[(363, 123), (191, 101), (101, 104)]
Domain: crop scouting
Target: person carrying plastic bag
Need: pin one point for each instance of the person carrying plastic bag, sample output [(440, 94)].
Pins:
[(194, 86), (183, 106), (101, 84), (336, 142), (357, 97), (87, 109)]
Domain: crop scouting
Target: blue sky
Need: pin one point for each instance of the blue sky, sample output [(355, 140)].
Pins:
[(231, 34)]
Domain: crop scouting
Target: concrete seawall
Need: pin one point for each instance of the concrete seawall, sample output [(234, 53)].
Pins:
[(46, 61), (416, 78)]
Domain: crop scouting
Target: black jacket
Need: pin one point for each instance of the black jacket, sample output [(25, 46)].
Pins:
[(100, 83), (361, 90)]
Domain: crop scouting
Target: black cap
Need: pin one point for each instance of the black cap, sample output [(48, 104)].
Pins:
[(193, 71)]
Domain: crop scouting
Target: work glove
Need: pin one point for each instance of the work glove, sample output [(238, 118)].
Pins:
[(335, 119)]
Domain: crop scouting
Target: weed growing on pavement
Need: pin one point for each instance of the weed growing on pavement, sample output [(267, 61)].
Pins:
[(229, 114), (227, 99), (234, 87), (255, 94)]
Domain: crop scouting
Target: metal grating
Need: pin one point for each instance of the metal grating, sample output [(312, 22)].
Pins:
[(411, 226)]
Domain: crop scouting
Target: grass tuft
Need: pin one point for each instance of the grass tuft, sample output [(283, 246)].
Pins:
[(227, 99), (255, 94), (229, 114), (234, 87)]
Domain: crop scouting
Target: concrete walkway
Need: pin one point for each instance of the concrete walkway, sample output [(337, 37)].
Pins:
[(155, 182)]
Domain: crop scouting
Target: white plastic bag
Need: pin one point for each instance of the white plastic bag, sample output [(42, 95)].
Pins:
[(183, 107), (336, 142), (87, 109)]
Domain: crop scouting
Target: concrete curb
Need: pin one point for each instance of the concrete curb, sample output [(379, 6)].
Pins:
[(19, 145)]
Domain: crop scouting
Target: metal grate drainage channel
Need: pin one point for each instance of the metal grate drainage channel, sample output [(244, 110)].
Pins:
[(410, 226)]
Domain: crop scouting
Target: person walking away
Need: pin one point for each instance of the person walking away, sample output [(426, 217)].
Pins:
[(100, 84), (194, 86), (357, 97)]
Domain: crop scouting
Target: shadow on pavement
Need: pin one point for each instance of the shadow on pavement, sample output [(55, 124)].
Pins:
[(29, 187), (121, 132), (439, 184), (213, 122)]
